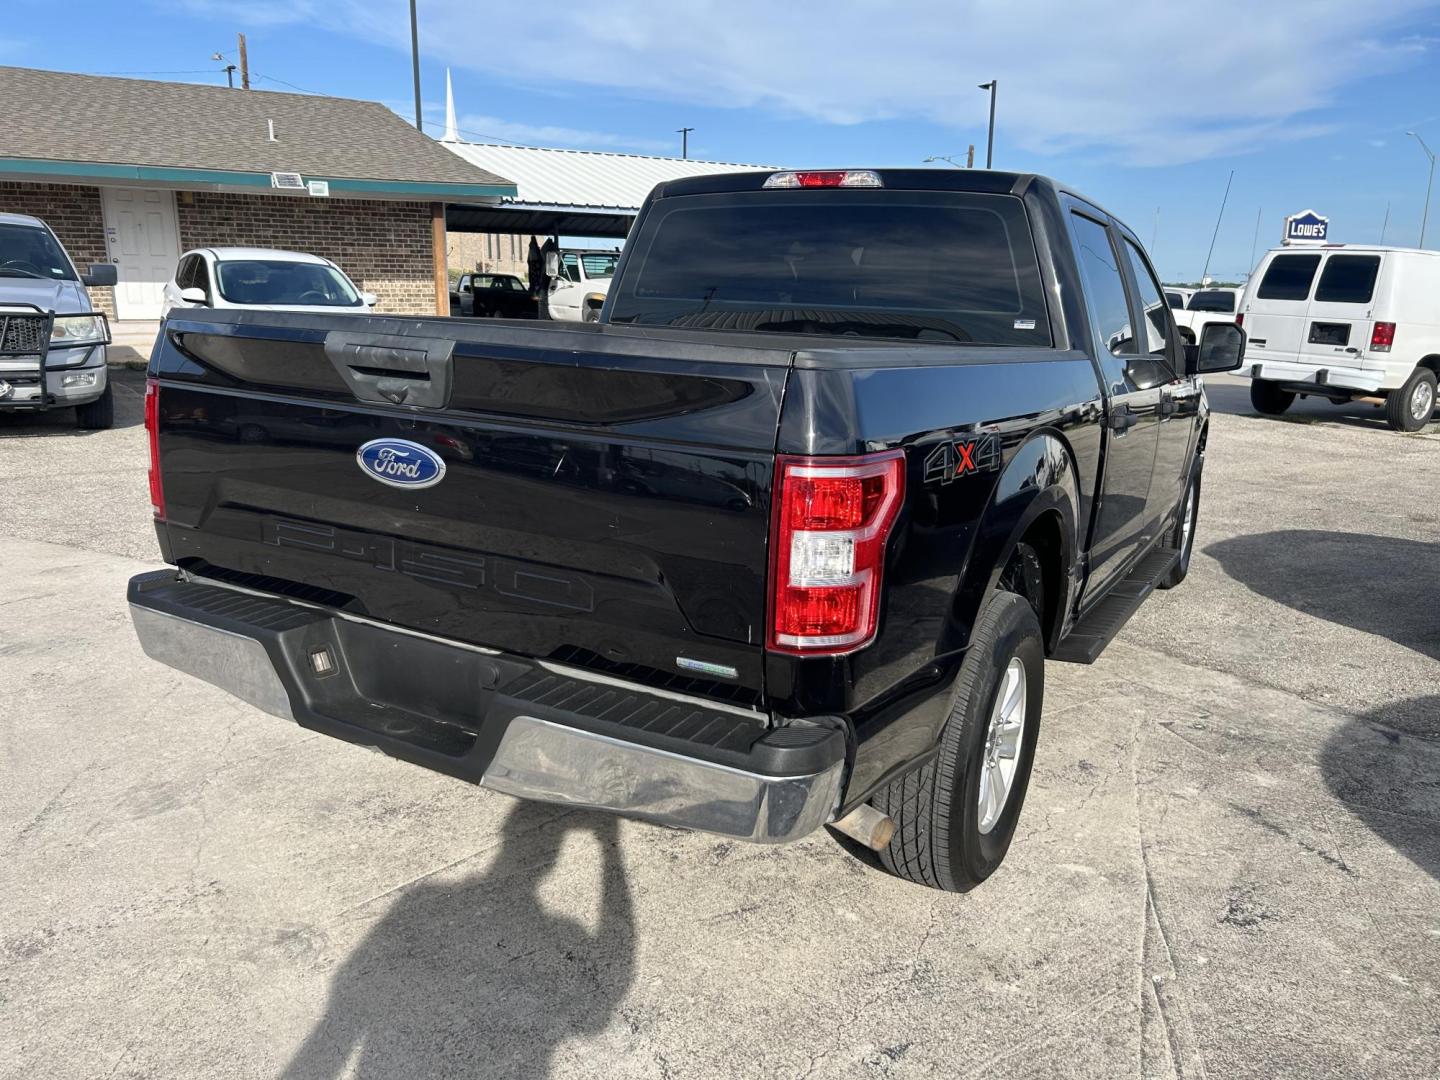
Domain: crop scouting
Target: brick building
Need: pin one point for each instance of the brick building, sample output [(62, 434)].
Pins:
[(136, 172)]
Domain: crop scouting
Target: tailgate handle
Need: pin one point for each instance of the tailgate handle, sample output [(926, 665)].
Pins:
[(392, 369)]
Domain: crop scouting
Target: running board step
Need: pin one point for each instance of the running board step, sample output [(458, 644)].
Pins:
[(1087, 638)]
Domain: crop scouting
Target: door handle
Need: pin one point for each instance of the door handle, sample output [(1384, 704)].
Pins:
[(1122, 420), (1168, 406)]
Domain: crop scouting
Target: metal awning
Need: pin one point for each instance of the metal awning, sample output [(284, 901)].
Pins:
[(569, 192)]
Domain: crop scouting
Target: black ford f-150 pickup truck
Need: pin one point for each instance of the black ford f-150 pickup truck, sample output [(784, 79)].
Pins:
[(783, 540)]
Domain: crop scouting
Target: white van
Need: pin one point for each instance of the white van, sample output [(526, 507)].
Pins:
[(1348, 323)]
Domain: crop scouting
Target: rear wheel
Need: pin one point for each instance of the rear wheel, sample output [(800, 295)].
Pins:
[(1410, 407), (97, 414), (1182, 536), (955, 816), (1268, 398)]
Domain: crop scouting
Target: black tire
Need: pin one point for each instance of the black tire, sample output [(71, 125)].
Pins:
[(1179, 537), (1268, 398), (935, 808), (98, 414), (1401, 405), (591, 314)]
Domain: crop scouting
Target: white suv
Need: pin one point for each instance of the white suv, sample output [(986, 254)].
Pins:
[(1347, 323)]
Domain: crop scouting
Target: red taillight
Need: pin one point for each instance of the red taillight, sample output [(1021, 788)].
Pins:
[(1382, 337), (831, 519), (1240, 319), (152, 429)]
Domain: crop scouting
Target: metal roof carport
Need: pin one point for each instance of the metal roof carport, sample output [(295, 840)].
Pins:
[(569, 192)]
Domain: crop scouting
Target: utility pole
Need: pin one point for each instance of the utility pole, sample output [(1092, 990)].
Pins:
[(415, 63), (970, 157), (684, 134), (1206, 272), (1385, 224), (990, 141), (1254, 240), (1425, 217), (244, 65)]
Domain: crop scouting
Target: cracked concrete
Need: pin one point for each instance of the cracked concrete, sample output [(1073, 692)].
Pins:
[(1229, 864)]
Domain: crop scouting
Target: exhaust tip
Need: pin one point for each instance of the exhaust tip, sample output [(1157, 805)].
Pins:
[(867, 826)]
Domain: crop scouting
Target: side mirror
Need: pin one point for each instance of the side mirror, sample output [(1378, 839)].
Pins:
[(193, 295), (1221, 348), (100, 274), (552, 264), (370, 299)]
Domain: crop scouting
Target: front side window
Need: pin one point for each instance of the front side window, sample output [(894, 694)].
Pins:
[(570, 268), (1157, 312), (1288, 277), (27, 251), (277, 281), (947, 267), (1348, 279), (1104, 285)]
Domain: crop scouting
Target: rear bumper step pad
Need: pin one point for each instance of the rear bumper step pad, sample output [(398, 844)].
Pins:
[(506, 722)]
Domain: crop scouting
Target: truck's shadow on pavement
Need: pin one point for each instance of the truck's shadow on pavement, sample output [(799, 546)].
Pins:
[(1389, 777), (477, 977), (1379, 584)]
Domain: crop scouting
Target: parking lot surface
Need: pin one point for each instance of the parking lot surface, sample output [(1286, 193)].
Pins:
[(1228, 866)]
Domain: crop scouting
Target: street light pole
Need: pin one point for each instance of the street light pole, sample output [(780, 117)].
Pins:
[(943, 157), (1425, 216), (415, 63), (684, 134), (990, 141)]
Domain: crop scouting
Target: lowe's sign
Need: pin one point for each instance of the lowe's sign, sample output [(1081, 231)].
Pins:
[(1306, 227)]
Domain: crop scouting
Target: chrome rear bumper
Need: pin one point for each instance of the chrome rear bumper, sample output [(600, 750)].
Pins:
[(755, 783)]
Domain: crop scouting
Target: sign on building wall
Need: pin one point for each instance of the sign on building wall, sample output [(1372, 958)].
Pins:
[(1306, 227)]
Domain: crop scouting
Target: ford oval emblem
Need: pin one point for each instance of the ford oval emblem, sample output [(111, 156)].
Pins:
[(400, 463)]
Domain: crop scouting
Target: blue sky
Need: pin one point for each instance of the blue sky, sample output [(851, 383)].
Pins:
[(1141, 108)]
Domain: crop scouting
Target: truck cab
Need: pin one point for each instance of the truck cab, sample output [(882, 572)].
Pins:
[(580, 284)]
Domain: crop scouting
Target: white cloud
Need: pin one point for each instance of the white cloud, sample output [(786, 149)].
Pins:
[(1159, 83)]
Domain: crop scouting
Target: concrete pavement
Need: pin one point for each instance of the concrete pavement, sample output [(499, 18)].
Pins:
[(1228, 866)]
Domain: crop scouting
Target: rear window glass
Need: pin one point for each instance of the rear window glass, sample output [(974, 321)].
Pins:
[(1288, 277), (1213, 300), (1348, 279), (908, 265)]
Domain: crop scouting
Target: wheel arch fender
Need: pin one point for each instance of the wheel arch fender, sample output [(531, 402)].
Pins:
[(1038, 493)]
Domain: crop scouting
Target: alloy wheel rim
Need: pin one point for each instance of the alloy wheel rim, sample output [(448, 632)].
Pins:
[(1001, 755), (1422, 401)]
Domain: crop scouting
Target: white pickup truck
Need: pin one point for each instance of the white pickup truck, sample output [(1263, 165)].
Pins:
[(1203, 307), (579, 283)]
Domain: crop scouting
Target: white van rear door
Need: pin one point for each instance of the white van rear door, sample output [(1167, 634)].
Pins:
[(1275, 312), (1337, 330)]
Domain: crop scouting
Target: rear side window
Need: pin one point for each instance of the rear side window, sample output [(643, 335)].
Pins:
[(1175, 300), (1348, 279), (949, 267), (1288, 277)]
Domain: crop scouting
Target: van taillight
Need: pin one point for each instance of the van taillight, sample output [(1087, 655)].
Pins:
[(829, 524), (1240, 319), (152, 429), (1382, 337)]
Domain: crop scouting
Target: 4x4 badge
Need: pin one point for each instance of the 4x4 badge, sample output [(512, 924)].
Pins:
[(961, 457)]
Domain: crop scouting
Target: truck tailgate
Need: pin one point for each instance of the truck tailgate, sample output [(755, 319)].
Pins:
[(604, 501)]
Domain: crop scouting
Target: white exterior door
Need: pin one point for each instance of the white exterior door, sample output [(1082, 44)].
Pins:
[(142, 236)]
